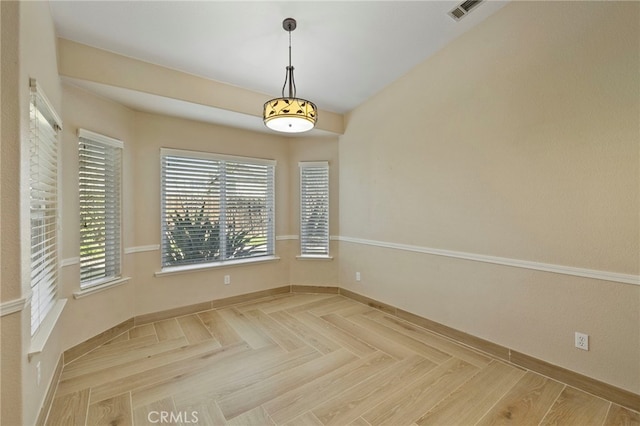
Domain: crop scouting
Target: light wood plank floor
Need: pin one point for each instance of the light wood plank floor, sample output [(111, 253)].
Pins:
[(308, 359)]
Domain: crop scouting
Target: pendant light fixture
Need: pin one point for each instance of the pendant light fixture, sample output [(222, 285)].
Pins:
[(290, 114)]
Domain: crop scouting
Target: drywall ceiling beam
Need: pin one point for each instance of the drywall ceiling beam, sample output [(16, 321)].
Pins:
[(88, 63)]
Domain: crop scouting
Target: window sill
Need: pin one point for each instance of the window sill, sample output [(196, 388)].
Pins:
[(314, 257), (39, 340), (100, 287), (224, 264)]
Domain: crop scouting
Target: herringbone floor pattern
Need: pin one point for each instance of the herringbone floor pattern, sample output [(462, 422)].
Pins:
[(308, 359)]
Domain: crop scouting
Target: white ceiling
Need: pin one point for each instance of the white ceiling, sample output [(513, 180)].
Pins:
[(343, 51)]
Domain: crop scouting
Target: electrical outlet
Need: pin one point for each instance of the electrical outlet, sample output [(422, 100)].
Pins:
[(357, 276), (582, 341), (38, 374), (227, 279)]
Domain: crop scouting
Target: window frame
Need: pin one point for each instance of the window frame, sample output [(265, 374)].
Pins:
[(39, 306), (270, 200), (113, 256), (304, 243)]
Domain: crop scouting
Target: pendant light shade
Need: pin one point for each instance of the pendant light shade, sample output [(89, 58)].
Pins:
[(289, 114)]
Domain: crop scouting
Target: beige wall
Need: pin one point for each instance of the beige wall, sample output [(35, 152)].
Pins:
[(313, 271), (37, 60), (520, 140), (10, 152), (153, 132), (164, 292), (10, 287), (25, 54), (85, 317), (143, 135), (523, 143)]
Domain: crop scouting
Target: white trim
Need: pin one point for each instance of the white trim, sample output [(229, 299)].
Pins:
[(15, 305), (140, 249), (314, 257), (69, 261), (97, 137), (224, 264), (297, 237), (100, 287), (303, 164), (36, 87), (39, 340), (517, 263), (211, 156)]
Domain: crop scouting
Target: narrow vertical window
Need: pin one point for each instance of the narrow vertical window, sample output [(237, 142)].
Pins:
[(314, 209), (100, 205), (44, 125)]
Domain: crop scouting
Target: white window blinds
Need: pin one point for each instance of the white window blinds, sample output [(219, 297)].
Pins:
[(44, 125), (215, 208), (100, 206), (314, 208)]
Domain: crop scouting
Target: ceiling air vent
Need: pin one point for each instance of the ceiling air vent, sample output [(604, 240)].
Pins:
[(463, 8)]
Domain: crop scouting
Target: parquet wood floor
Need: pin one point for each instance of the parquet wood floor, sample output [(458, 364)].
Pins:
[(308, 359)]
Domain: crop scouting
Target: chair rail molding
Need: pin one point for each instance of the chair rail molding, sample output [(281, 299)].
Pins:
[(141, 249), (505, 261), (16, 305), (69, 262)]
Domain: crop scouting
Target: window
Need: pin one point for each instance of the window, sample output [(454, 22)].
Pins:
[(314, 209), (100, 204), (44, 125), (215, 208)]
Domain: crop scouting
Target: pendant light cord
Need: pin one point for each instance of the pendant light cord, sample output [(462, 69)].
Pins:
[(289, 45), (289, 75)]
